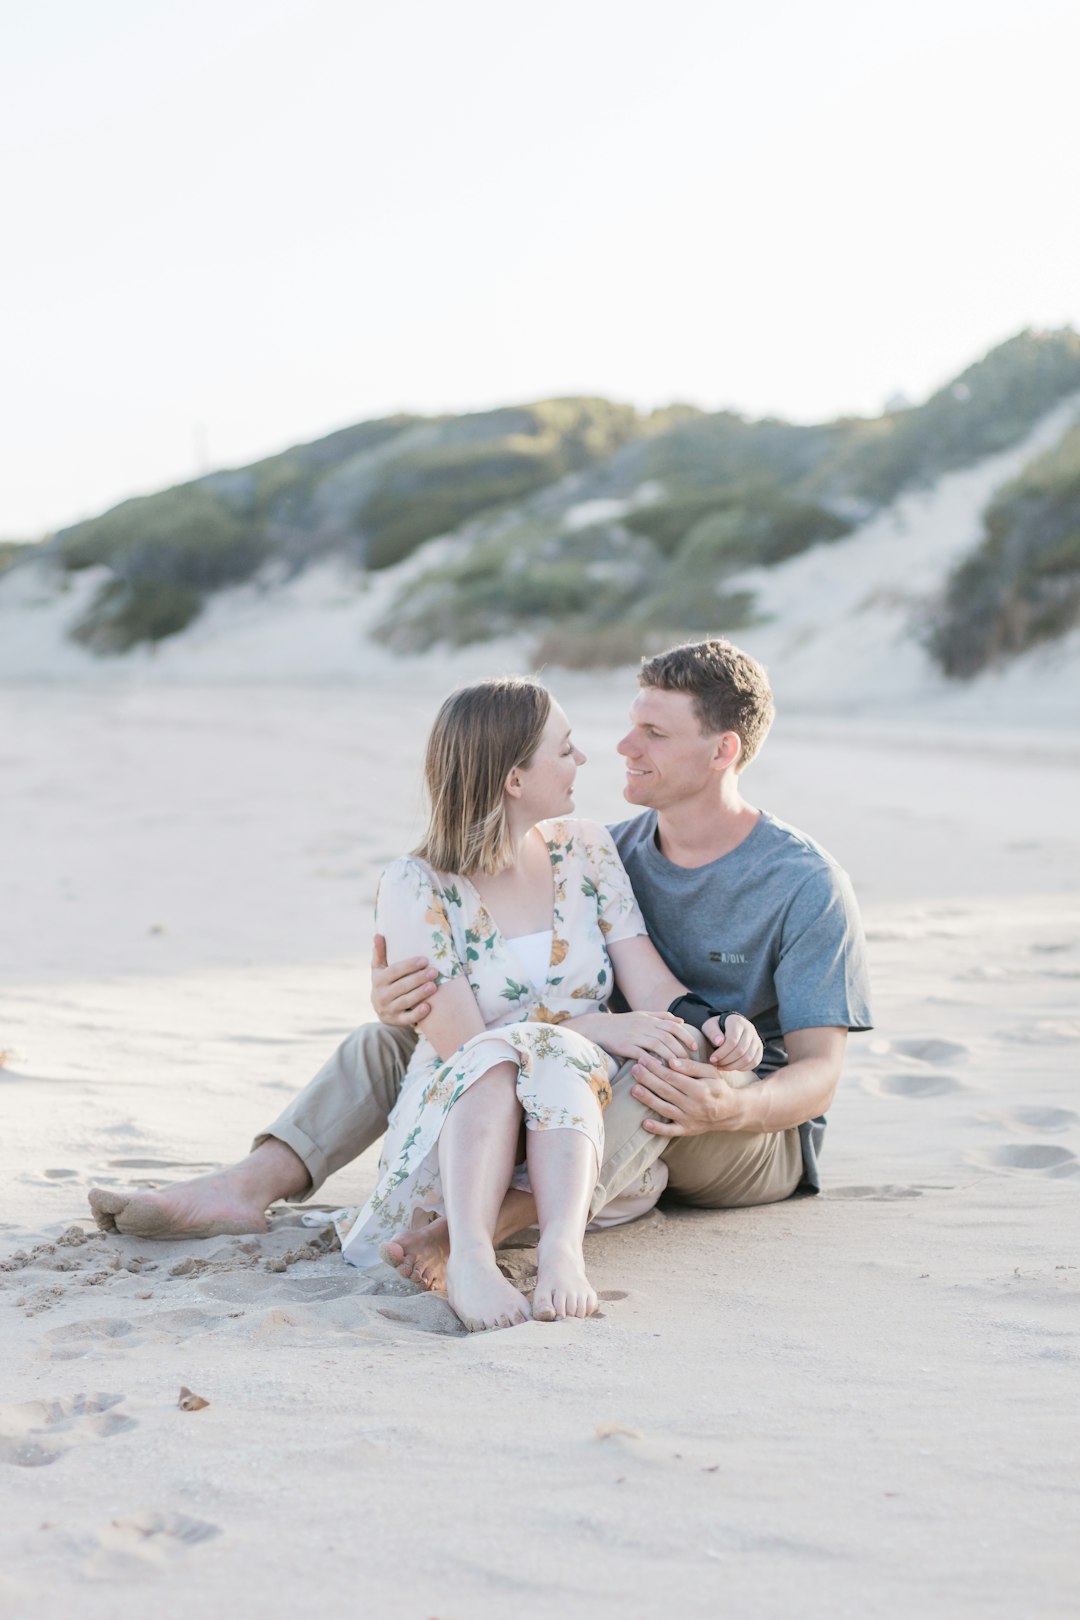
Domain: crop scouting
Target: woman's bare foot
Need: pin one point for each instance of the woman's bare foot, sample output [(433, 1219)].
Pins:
[(421, 1253), (481, 1295), (225, 1202), (562, 1288)]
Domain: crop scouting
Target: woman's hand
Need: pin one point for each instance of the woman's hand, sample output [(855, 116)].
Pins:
[(738, 1048), (639, 1034)]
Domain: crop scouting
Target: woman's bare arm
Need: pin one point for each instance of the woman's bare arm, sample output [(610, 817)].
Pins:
[(454, 1017), (646, 981)]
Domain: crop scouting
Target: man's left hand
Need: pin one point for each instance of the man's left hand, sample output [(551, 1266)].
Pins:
[(690, 1097)]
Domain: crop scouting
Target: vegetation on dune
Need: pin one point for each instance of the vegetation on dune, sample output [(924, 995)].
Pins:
[(596, 590), (165, 553), (508, 580), (744, 525), (125, 613), (703, 498), (434, 490), (1022, 585), (989, 407), (11, 551)]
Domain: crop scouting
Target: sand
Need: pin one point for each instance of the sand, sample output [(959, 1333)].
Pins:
[(862, 1404)]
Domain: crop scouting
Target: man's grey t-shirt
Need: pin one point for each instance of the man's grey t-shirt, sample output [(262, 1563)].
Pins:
[(770, 930)]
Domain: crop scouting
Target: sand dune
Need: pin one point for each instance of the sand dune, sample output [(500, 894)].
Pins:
[(858, 1404)]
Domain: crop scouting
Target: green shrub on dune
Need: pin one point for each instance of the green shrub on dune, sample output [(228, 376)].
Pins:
[(11, 551), (988, 408), (165, 552), (185, 535), (742, 525), (501, 458), (125, 613), (1022, 585)]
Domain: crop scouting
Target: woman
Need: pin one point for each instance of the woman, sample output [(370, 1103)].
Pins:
[(526, 916)]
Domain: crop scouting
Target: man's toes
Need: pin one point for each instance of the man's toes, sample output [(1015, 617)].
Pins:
[(543, 1309), (105, 1206)]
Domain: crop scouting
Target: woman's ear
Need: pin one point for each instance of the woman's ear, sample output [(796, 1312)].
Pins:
[(512, 785)]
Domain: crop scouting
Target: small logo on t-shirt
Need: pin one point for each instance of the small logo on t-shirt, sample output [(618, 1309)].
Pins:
[(726, 956)]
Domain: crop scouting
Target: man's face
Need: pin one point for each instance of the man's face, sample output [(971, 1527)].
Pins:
[(667, 757)]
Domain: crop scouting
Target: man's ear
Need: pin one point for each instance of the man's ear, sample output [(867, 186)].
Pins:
[(728, 749)]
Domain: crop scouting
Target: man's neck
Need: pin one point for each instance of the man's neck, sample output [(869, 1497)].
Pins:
[(705, 828)]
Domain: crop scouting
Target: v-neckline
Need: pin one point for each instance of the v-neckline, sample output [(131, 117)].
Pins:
[(507, 940)]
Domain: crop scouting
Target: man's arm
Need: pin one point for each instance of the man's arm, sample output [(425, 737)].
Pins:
[(692, 1098)]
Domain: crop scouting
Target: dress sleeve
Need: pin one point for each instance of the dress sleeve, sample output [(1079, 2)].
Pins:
[(618, 913), (412, 911)]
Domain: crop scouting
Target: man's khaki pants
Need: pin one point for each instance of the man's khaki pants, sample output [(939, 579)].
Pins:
[(344, 1109)]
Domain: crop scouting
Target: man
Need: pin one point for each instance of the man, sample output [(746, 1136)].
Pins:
[(748, 912)]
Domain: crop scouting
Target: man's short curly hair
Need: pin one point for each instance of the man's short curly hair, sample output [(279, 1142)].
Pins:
[(730, 689)]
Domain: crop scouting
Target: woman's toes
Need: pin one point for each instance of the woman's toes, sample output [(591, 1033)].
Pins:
[(543, 1309)]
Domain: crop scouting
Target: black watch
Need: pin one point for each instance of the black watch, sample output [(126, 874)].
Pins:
[(695, 1010)]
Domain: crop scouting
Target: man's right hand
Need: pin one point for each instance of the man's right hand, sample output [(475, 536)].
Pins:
[(401, 993)]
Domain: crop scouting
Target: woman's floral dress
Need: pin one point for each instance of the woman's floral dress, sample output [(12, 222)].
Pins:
[(563, 1079)]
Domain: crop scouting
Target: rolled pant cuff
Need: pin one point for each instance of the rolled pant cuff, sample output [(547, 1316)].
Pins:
[(313, 1158)]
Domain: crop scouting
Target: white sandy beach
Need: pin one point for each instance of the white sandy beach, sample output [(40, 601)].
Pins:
[(861, 1405)]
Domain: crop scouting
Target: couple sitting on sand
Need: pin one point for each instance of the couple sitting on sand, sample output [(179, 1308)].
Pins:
[(730, 940)]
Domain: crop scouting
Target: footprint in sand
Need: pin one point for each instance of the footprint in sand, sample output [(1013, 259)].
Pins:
[(144, 1544), (1046, 1032), (883, 1194), (932, 1049), (74, 1339), (911, 1084), (1042, 1157), (159, 1164), (36, 1433), (1034, 1118), (427, 1313)]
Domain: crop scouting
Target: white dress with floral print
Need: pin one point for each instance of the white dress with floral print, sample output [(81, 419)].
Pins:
[(563, 1079)]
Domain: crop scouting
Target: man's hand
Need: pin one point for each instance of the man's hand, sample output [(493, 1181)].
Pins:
[(401, 993), (738, 1046), (691, 1098)]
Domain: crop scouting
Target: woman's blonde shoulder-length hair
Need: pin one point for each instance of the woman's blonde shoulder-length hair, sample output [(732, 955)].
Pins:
[(480, 735)]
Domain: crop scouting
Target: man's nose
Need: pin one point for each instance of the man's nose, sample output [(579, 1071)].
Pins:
[(628, 745)]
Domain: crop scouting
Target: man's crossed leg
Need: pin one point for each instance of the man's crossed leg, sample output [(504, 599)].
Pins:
[(344, 1110)]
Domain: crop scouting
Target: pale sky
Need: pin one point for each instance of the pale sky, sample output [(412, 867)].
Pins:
[(236, 224)]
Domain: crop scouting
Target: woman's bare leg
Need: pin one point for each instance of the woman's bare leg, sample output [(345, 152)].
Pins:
[(226, 1201), (476, 1160), (562, 1173)]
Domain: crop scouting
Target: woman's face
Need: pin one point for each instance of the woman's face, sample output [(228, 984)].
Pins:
[(547, 781)]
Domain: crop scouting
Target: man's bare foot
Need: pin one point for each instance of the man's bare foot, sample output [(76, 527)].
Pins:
[(421, 1253), (562, 1288), (223, 1203), (481, 1295)]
